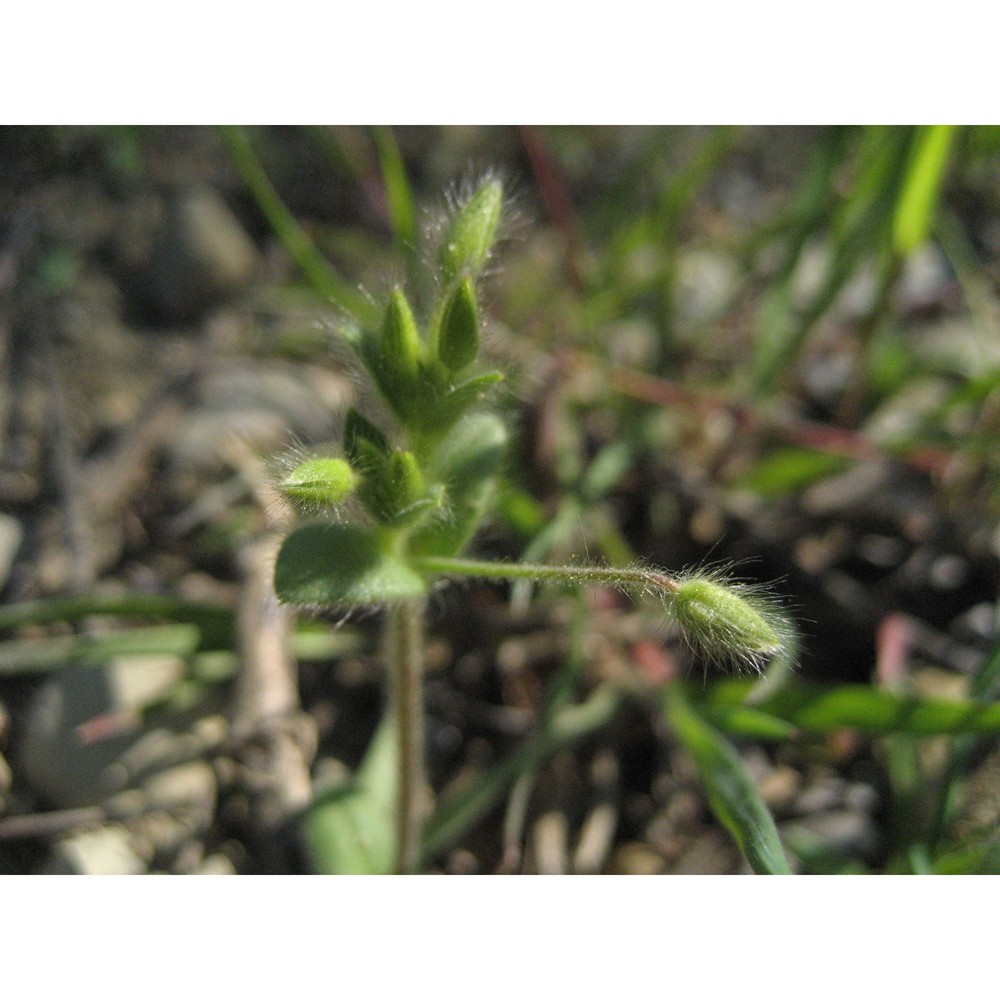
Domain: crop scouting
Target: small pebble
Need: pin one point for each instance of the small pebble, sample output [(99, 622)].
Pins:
[(108, 850)]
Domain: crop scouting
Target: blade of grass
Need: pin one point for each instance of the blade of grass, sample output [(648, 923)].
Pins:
[(215, 623), (731, 792), (28, 656), (921, 187), (859, 225), (398, 194), (821, 709), (454, 817), (293, 237)]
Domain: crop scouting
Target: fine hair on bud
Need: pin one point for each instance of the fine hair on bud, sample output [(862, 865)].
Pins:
[(461, 235), (731, 624), (319, 483)]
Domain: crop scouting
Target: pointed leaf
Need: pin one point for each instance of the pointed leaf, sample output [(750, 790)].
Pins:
[(349, 830), (731, 792)]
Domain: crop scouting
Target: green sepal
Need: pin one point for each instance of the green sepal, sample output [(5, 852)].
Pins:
[(458, 335), (364, 444), (451, 402), (340, 564), (405, 493)]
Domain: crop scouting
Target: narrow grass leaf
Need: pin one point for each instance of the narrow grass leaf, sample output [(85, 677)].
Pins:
[(816, 708), (30, 656), (323, 278), (789, 470), (731, 792), (398, 194), (462, 811), (921, 188)]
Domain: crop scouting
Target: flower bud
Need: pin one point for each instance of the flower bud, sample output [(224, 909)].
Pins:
[(472, 231), (458, 338), (319, 482), (401, 347), (725, 620), (406, 479)]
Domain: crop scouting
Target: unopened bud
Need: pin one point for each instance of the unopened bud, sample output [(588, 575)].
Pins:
[(407, 481), (458, 339), (725, 621), (319, 482), (472, 231), (401, 347)]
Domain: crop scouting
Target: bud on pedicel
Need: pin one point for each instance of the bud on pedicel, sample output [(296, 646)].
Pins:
[(458, 339), (726, 621), (318, 483), (472, 231)]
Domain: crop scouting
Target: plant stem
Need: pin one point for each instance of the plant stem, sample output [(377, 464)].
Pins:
[(624, 578), (405, 642)]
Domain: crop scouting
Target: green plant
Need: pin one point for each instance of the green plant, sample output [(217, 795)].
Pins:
[(407, 497)]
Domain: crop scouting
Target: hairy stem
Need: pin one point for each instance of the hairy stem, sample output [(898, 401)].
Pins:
[(405, 642), (624, 578)]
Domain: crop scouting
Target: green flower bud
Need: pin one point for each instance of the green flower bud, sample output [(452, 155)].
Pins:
[(472, 231), (407, 481), (319, 482), (458, 338), (725, 621), (400, 350)]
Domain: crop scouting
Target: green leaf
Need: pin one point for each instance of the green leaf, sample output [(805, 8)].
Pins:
[(398, 194), (339, 564), (363, 441), (349, 830), (820, 709), (790, 469), (466, 463), (921, 188), (731, 792), (743, 720)]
